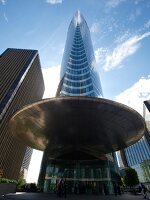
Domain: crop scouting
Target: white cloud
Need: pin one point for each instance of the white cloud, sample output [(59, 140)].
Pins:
[(100, 54), (123, 37), (136, 94), (54, 1), (3, 2), (51, 80), (113, 3), (94, 28), (122, 51)]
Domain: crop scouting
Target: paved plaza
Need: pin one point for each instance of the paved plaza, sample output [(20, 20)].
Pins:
[(43, 196)]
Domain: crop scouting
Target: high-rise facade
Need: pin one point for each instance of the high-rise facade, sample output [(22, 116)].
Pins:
[(26, 163), (21, 83), (137, 155), (137, 152), (79, 77)]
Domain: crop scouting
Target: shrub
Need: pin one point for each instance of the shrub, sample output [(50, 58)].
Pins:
[(6, 180)]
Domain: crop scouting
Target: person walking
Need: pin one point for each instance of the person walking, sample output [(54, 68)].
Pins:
[(60, 187), (144, 190), (65, 188)]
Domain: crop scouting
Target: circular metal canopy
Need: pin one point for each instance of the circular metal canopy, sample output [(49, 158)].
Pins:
[(65, 125)]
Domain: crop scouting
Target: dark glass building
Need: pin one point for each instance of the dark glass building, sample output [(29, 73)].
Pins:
[(137, 155), (21, 83), (79, 77)]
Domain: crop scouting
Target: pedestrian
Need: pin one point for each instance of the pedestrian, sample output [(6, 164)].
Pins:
[(65, 188), (76, 188), (115, 189), (118, 189), (144, 190), (60, 187)]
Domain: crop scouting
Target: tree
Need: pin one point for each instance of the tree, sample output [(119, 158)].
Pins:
[(21, 183), (131, 177)]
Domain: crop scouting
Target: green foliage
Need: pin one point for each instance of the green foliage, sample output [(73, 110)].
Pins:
[(131, 177), (21, 183), (6, 180), (122, 181)]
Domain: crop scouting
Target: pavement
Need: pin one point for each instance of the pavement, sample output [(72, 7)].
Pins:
[(46, 196)]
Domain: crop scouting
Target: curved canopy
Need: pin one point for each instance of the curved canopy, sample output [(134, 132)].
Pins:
[(77, 124)]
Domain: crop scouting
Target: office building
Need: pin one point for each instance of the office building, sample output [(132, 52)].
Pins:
[(137, 152), (79, 77), (146, 115), (26, 163), (137, 155), (78, 129), (21, 83)]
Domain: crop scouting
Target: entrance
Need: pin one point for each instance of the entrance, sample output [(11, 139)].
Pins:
[(82, 176)]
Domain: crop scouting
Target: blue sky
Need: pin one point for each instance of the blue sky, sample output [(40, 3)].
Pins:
[(120, 32)]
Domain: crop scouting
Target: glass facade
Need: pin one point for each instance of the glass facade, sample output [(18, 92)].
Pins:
[(146, 115), (79, 77), (137, 156), (87, 176), (143, 170), (138, 152), (90, 176)]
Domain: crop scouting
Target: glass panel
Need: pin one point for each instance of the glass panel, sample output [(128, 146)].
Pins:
[(89, 176)]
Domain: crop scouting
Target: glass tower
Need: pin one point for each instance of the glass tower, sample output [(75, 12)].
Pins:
[(138, 152), (137, 155), (79, 77)]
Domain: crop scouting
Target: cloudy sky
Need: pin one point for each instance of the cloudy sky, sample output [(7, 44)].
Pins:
[(120, 32)]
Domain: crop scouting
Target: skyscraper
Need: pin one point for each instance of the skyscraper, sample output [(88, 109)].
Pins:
[(137, 155), (26, 163), (76, 130), (79, 76), (146, 115), (137, 152), (21, 83)]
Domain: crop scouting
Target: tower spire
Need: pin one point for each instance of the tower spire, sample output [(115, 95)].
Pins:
[(78, 17)]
